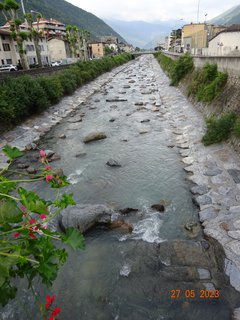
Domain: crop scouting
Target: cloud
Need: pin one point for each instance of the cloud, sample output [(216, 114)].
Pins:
[(155, 10)]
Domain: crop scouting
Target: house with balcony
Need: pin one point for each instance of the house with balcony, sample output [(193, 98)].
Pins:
[(51, 28)]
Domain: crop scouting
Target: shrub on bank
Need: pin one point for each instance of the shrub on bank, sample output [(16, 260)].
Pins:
[(24, 96), (207, 83), (176, 69), (219, 129)]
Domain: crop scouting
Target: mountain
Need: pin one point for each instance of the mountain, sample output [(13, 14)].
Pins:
[(69, 14), (229, 17), (144, 34)]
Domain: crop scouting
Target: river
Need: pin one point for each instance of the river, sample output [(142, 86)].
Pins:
[(160, 271)]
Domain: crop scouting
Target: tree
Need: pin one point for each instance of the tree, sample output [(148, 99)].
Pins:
[(77, 39), (9, 10), (35, 35), (72, 38)]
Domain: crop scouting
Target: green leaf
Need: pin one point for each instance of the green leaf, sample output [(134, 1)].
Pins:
[(6, 185), (73, 238), (62, 182), (4, 274), (66, 200), (32, 201), (6, 293), (9, 212), (12, 152)]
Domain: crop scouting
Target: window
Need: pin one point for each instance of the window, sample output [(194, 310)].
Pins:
[(6, 47), (16, 48), (3, 37), (2, 61), (9, 61), (30, 47)]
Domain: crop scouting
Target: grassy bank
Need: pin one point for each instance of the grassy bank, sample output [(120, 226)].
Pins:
[(203, 85), (25, 96)]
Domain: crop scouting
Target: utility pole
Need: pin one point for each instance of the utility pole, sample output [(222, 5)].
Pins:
[(198, 11), (23, 8)]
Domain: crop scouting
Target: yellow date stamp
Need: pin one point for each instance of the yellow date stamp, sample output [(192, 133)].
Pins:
[(194, 294)]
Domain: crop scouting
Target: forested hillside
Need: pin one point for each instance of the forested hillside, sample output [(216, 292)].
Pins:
[(69, 14)]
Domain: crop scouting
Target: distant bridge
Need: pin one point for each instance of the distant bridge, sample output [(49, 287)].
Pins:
[(138, 53)]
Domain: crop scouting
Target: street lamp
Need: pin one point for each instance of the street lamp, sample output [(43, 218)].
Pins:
[(32, 11), (205, 18)]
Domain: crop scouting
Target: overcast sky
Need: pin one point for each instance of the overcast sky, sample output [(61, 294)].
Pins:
[(153, 10)]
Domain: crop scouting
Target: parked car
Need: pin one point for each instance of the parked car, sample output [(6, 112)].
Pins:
[(56, 63), (8, 67)]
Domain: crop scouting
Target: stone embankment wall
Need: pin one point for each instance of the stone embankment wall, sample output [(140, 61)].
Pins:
[(229, 64), (228, 100)]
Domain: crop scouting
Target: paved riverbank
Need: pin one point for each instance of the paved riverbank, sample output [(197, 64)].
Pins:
[(215, 170)]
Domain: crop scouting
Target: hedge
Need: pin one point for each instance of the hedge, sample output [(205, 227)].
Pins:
[(24, 96)]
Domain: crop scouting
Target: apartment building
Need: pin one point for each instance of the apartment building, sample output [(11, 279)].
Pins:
[(9, 50), (51, 28)]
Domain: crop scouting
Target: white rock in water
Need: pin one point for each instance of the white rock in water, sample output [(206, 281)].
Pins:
[(125, 271)]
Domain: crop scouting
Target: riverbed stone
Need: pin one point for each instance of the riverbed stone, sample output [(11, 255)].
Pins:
[(84, 217), (22, 165), (234, 234), (145, 120), (202, 200), (204, 274), (49, 153), (201, 189), (212, 172), (62, 136), (94, 136), (75, 119), (31, 170), (234, 209), (113, 163), (208, 214), (158, 207)]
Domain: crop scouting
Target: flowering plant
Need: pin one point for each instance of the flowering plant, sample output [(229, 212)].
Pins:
[(27, 245)]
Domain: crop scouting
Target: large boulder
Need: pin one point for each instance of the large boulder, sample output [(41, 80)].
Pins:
[(85, 216), (94, 136)]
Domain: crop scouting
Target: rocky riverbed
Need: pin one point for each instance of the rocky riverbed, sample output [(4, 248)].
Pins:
[(120, 147)]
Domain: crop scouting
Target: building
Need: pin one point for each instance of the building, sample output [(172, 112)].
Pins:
[(58, 49), (195, 36), (226, 42), (124, 47), (51, 28), (9, 52), (96, 49), (111, 42)]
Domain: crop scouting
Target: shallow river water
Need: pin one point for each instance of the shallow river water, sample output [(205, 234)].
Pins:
[(134, 276)]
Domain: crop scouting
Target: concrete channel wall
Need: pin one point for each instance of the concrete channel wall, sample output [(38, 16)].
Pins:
[(229, 64)]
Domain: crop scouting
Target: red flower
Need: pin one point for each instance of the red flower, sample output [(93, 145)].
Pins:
[(23, 209), (48, 168), (55, 312), (48, 178), (42, 154), (43, 216), (49, 301), (16, 235), (32, 221), (31, 235)]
